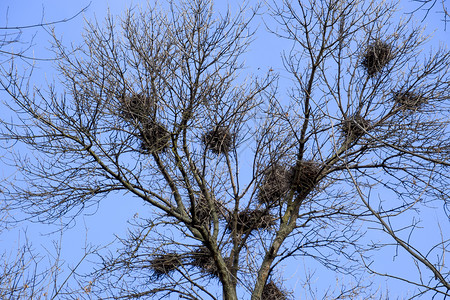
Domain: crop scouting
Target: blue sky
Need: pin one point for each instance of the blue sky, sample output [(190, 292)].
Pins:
[(101, 223)]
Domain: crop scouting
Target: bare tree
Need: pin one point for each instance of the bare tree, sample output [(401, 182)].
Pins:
[(26, 274), (238, 181)]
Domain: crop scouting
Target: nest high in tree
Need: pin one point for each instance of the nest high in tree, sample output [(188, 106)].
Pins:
[(355, 126), (154, 137), (276, 183), (203, 211), (272, 292), (202, 259), (304, 175), (165, 264), (248, 220), (376, 57), (137, 107), (218, 140), (409, 100)]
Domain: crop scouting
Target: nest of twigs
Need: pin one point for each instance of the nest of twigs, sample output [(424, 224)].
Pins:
[(376, 57), (165, 264), (355, 126), (409, 100), (272, 292), (137, 107), (203, 211), (218, 140), (203, 259), (304, 175), (275, 184), (154, 137), (248, 220)]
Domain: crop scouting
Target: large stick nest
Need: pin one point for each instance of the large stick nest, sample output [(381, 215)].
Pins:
[(203, 211), (137, 107), (376, 57), (154, 136), (248, 220), (275, 184), (355, 126), (203, 259), (272, 292), (218, 140), (164, 264), (304, 175), (409, 100)]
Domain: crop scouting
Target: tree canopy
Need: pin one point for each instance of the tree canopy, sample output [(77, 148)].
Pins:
[(239, 176)]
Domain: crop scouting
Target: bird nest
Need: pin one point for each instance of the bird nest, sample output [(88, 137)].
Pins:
[(248, 220), (272, 292), (304, 175), (202, 258), (218, 140), (275, 184), (376, 57), (155, 137), (203, 211), (165, 264), (409, 100), (137, 107), (355, 126)]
